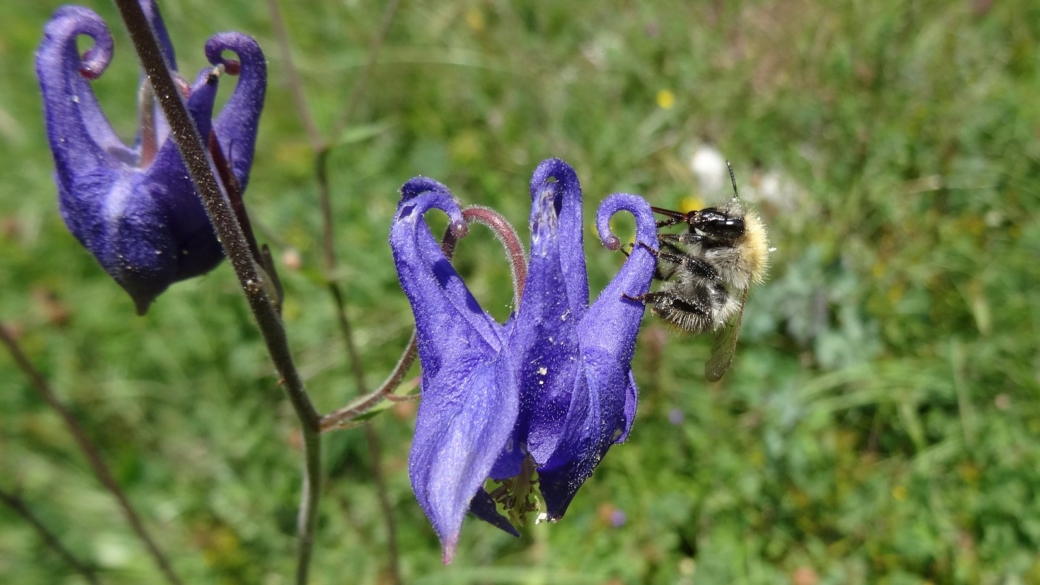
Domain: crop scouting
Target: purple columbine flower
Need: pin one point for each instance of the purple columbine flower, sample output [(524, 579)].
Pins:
[(552, 388), (135, 208), (469, 389), (578, 394)]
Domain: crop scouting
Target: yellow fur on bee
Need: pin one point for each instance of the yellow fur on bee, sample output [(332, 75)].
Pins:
[(755, 247)]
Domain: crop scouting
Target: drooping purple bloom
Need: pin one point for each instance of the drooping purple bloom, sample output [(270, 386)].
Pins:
[(135, 208), (553, 384), (578, 394), (469, 392)]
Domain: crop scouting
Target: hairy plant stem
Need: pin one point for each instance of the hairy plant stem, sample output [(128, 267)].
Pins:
[(344, 416), (506, 235), (250, 276), (90, 450)]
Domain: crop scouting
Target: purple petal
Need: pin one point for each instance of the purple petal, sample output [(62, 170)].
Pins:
[(238, 122), (443, 306), (469, 392), (156, 231), (465, 417), (611, 312), (80, 135), (594, 422), (603, 402), (154, 17), (557, 177), (613, 321), (546, 332), (483, 507)]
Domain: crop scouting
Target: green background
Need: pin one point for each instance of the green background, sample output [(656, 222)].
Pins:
[(879, 424)]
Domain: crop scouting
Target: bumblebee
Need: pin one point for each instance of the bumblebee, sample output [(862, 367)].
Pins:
[(707, 271)]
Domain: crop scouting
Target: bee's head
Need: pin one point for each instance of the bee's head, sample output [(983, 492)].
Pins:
[(718, 224)]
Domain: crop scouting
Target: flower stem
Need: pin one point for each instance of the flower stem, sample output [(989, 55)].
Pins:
[(237, 249), (343, 416), (97, 464), (507, 236)]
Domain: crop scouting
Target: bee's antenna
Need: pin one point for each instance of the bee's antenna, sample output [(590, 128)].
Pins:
[(733, 180)]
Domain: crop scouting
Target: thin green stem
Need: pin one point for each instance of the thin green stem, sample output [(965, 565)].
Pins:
[(87, 447), (251, 277), (323, 150), (18, 506), (292, 76), (370, 435), (361, 83)]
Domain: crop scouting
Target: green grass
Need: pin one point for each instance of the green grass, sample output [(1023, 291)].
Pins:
[(879, 424)]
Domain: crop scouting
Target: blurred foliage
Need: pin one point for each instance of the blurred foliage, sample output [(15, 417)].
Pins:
[(879, 423)]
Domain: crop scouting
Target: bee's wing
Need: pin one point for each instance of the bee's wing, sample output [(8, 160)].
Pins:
[(724, 345)]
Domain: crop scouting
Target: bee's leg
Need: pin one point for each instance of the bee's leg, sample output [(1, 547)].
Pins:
[(676, 258), (696, 265), (690, 313), (632, 247), (659, 272), (666, 241), (645, 297), (650, 297), (643, 244)]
